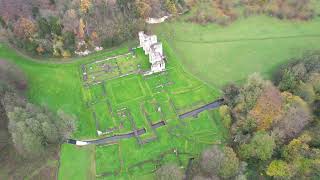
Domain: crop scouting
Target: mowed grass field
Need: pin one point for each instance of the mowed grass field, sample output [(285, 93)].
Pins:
[(58, 86), (136, 102), (215, 55), (219, 55)]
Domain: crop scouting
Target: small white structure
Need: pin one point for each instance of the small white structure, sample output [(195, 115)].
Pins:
[(157, 20), (81, 143), (154, 49)]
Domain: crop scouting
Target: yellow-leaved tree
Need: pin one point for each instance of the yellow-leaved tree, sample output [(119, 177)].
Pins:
[(85, 5)]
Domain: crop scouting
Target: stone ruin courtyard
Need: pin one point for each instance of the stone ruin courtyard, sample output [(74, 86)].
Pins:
[(125, 102)]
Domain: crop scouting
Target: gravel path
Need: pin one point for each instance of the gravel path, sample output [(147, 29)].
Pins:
[(195, 112)]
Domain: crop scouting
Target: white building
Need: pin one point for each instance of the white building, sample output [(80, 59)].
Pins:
[(154, 49)]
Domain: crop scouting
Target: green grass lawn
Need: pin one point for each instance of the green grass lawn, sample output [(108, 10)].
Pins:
[(108, 159), (216, 55), (219, 55), (103, 116), (77, 162), (138, 102), (126, 89), (59, 87)]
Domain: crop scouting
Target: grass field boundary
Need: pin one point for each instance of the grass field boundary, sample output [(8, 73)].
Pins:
[(250, 39), (74, 60), (109, 58), (133, 127), (149, 123)]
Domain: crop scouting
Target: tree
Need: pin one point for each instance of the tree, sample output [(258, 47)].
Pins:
[(143, 9), (44, 27), (95, 38), (294, 120), (250, 92), (306, 92), (55, 25), (26, 142), (303, 159), (314, 80), (69, 41), (279, 169), (50, 132), (230, 164), (199, 177), (70, 21), (297, 148), (2, 23), (260, 147), (316, 108), (40, 50), (226, 116), (217, 162), (33, 128), (299, 71), (81, 32), (288, 81), (85, 5), (268, 107), (66, 124), (231, 93), (24, 28), (171, 6), (169, 172), (211, 160)]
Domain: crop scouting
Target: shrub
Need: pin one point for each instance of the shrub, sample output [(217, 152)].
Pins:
[(226, 116), (169, 172), (260, 147)]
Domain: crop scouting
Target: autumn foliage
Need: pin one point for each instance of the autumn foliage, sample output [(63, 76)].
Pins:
[(25, 28), (268, 108)]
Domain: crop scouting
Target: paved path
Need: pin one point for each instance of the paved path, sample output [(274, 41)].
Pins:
[(209, 106), (115, 138)]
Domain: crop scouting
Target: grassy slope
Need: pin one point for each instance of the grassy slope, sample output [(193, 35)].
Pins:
[(189, 136), (215, 62), (59, 87), (219, 55)]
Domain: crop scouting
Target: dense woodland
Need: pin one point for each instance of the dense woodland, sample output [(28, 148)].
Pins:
[(29, 134), (224, 12), (58, 27), (61, 27), (274, 128)]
